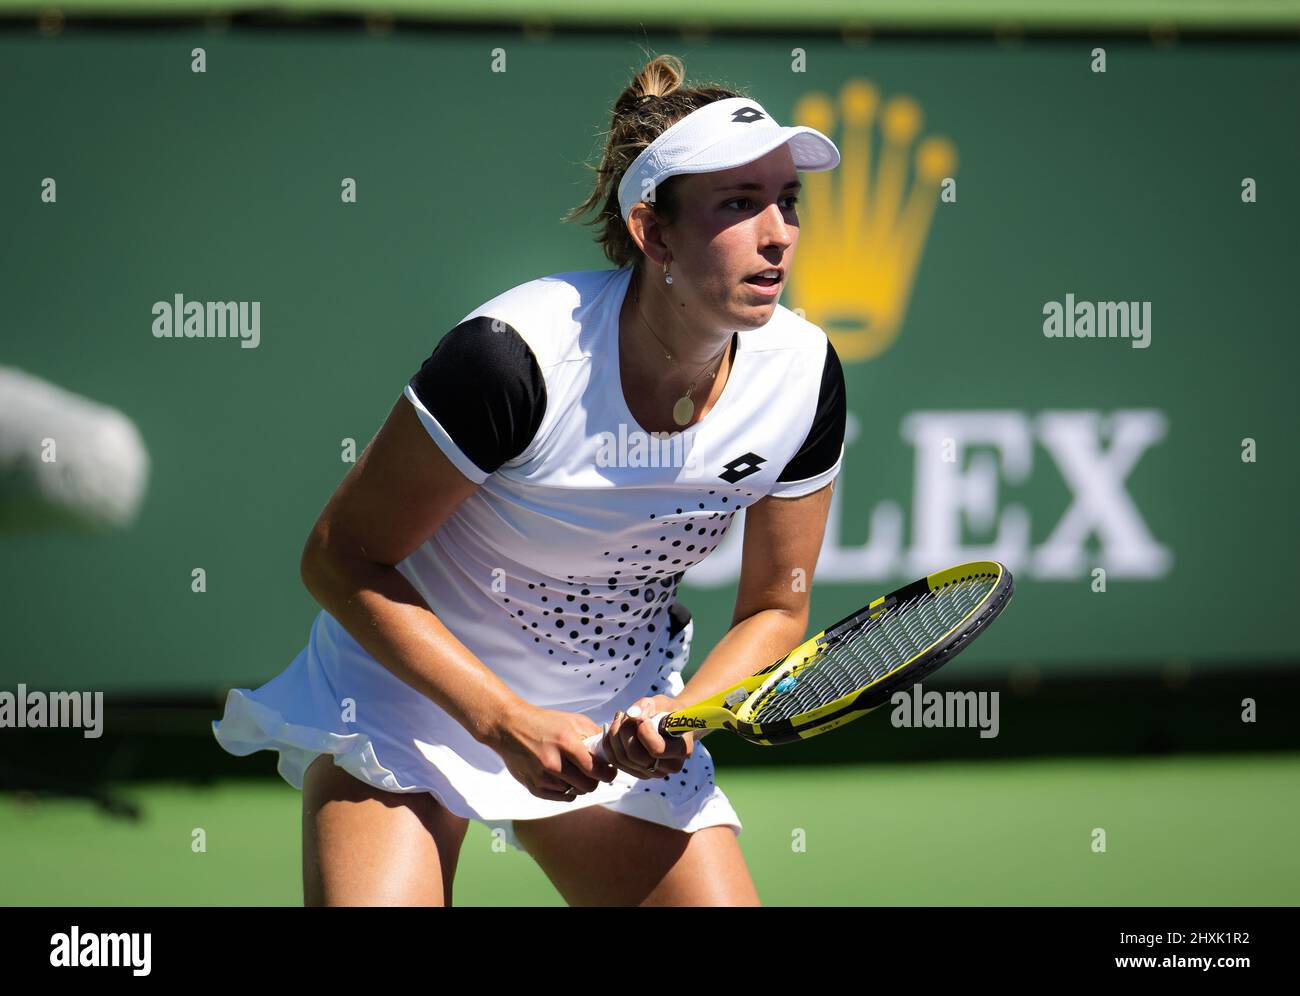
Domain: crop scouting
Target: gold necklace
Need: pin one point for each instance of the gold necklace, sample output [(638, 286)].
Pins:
[(684, 408)]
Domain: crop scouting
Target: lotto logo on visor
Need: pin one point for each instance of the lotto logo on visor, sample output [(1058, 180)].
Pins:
[(708, 140)]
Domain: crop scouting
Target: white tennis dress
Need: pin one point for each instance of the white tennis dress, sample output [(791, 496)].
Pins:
[(560, 572)]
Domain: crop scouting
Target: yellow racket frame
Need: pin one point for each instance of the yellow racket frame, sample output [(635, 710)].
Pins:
[(735, 708)]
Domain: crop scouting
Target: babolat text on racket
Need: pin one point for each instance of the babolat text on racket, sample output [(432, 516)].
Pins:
[(855, 666)]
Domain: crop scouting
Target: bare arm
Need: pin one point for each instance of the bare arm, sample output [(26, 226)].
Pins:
[(782, 535), (400, 491), (397, 494)]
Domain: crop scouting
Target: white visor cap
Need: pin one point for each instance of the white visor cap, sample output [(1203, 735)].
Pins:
[(721, 135)]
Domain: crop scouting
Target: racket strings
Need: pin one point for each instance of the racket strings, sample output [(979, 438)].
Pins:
[(866, 652)]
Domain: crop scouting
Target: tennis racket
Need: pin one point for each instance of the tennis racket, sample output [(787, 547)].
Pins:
[(855, 666)]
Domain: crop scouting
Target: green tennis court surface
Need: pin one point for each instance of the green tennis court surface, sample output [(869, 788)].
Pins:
[(1190, 829)]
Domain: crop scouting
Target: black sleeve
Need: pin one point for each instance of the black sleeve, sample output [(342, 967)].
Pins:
[(822, 446), (483, 385)]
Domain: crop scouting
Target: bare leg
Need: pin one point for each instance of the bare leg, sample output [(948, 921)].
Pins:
[(597, 857), (362, 846)]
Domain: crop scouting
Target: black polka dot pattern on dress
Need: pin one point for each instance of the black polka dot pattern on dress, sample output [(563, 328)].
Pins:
[(605, 626)]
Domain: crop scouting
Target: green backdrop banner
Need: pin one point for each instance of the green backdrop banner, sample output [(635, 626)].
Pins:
[(1063, 298), (1162, 16)]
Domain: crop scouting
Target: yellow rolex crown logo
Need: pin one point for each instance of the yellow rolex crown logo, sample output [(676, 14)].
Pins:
[(867, 221)]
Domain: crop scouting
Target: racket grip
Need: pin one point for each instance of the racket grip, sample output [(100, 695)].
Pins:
[(596, 742)]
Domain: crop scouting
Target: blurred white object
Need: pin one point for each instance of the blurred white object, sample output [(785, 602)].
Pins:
[(101, 467)]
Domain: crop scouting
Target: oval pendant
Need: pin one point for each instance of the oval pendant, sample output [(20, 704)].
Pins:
[(683, 410)]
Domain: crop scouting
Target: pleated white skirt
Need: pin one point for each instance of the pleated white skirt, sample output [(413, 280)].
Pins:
[(336, 699)]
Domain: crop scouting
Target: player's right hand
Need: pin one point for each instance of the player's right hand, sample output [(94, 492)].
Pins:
[(544, 750)]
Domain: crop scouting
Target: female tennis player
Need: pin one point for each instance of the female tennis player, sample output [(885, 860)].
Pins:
[(498, 571)]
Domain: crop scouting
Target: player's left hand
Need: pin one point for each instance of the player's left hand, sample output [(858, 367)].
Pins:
[(637, 747)]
